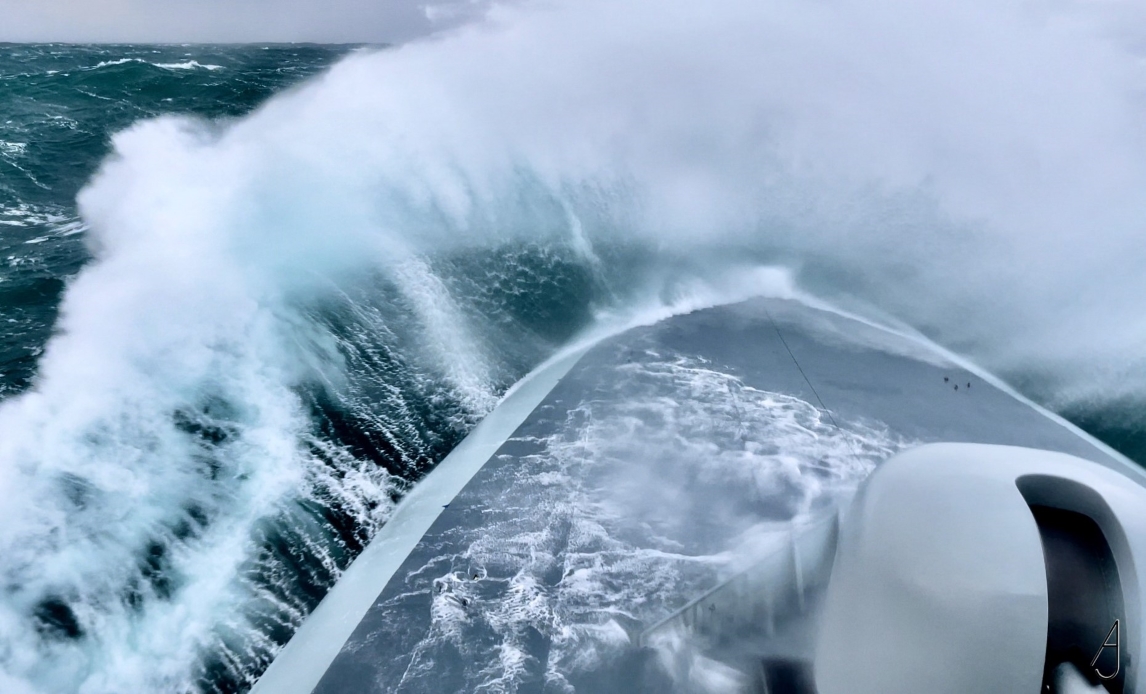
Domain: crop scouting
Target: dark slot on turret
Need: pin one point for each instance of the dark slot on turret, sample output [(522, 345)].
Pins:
[(1084, 600)]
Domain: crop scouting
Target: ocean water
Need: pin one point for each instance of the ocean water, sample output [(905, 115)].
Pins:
[(250, 294), (60, 106), (177, 576)]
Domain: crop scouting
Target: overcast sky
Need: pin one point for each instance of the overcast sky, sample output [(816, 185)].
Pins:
[(179, 21)]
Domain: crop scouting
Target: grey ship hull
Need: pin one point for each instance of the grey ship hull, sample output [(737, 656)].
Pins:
[(533, 556)]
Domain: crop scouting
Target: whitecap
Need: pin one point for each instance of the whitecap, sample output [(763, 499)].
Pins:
[(13, 148), (120, 61), (188, 65), (185, 65)]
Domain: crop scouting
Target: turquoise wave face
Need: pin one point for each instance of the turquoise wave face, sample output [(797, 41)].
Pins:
[(59, 106), (369, 411)]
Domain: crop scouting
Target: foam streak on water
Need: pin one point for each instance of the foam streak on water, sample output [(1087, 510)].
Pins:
[(612, 523)]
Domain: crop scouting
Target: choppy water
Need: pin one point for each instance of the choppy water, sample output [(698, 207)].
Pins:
[(59, 106), (264, 320), (235, 507)]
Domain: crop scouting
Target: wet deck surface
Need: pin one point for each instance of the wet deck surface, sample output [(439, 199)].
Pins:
[(591, 520)]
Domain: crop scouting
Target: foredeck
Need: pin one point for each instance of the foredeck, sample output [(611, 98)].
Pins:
[(579, 523)]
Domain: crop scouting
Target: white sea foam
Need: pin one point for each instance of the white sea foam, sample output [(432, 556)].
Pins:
[(56, 219), (119, 61), (182, 65), (188, 65), (447, 335), (13, 148), (643, 499)]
